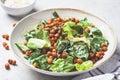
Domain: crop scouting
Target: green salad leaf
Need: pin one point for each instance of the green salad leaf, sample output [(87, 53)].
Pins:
[(42, 62), (34, 43), (22, 47), (95, 43), (84, 66), (79, 50), (62, 45), (62, 65)]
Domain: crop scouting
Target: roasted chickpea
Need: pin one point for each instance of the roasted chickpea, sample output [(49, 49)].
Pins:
[(47, 29), (49, 53), (51, 57), (64, 55), (98, 54), (54, 54), (25, 42), (57, 35), (14, 62), (104, 48), (58, 56), (27, 53), (75, 60), (54, 50), (87, 30), (35, 64), (49, 21), (72, 19), (59, 31), (76, 21), (49, 60), (52, 31), (10, 61), (7, 66), (51, 48), (6, 36), (92, 54), (51, 35), (103, 44), (79, 61)]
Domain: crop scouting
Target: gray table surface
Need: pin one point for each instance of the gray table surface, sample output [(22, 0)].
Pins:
[(107, 9)]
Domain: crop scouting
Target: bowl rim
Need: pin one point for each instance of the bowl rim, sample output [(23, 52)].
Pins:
[(68, 73), (33, 2)]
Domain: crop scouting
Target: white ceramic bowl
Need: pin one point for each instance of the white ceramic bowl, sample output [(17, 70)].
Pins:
[(18, 11), (29, 22)]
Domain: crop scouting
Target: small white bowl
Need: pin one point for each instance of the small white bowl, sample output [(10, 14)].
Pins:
[(18, 11)]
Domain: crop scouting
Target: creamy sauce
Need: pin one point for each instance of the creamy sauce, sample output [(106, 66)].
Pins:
[(16, 3)]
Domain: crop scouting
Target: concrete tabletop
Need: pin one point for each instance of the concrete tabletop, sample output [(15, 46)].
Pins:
[(107, 9)]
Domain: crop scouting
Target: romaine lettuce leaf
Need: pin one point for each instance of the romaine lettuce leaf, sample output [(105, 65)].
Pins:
[(62, 65), (84, 66)]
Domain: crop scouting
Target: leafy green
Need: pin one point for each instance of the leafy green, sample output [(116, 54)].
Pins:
[(84, 66), (79, 50), (35, 43), (62, 65), (84, 23), (55, 14), (22, 47), (35, 54), (61, 45), (42, 62), (95, 43)]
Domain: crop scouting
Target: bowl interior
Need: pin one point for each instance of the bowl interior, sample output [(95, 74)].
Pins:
[(29, 22)]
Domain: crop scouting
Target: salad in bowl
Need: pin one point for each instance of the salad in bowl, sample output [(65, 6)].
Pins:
[(64, 44)]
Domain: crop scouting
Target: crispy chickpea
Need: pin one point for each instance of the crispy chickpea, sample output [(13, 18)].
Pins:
[(57, 35), (96, 58), (58, 56), (87, 30), (49, 21), (52, 39), (51, 57), (59, 31), (51, 35), (27, 53), (55, 45), (65, 20), (75, 60), (14, 62), (54, 50), (92, 54), (72, 19), (49, 53), (47, 29), (104, 48), (101, 56), (25, 42), (6, 47), (93, 60), (58, 19), (10, 61), (56, 29), (7, 66), (35, 64), (103, 44), (64, 55), (98, 54), (49, 60), (54, 54), (79, 61), (44, 51), (6, 36), (52, 31), (51, 48), (76, 21)]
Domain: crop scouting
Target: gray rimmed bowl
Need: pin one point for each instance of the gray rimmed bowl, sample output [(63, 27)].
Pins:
[(28, 23)]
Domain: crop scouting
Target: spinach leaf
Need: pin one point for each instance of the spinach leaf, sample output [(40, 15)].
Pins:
[(62, 45), (62, 65), (55, 14), (95, 43), (42, 62), (79, 50)]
